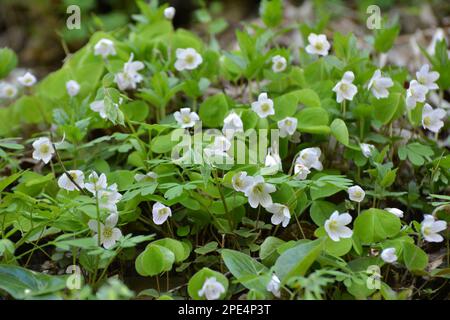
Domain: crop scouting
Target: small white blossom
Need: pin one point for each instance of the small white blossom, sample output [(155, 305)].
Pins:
[(309, 157), (148, 177), (64, 182), (281, 214), (27, 80), (318, 44), (264, 106), (395, 211), (336, 228), (345, 89), (130, 76), (274, 286), (356, 193), (217, 152), (388, 255), (104, 47), (279, 63), (301, 171), (379, 85), (427, 78), (430, 228), (160, 213), (108, 198), (241, 181), (108, 234), (287, 126), (169, 13), (273, 160), (432, 118), (211, 289), (43, 150), (7, 90), (186, 118), (96, 183), (232, 124), (72, 87), (367, 149), (99, 107), (258, 193), (187, 59), (415, 93)]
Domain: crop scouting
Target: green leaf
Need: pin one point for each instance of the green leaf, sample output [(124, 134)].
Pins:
[(8, 180), (213, 110), (244, 266), (197, 280), (385, 37), (297, 260), (207, 248), (374, 225), (22, 283), (163, 143), (8, 61), (154, 260), (313, 120), (385, 109), (339, 131), (414, 257), (321, 210), (175, 246), (268, 250), (309, 98), (271, 12)]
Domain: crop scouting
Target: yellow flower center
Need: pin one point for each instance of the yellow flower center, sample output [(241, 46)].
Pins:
[(107, 232), (344, 87), (288, 123), (190, 59), (186, 119), (265, 107), (333, 225), (73, 175), (427, 120), (44, 148), (279, 65), (426, 231), (318, 46)]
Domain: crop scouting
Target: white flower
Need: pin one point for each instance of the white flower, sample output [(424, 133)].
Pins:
[(379, 85), (367, 149), (356, 193), (129, 77), (108, 198), (187, 59), (217, 152), (318, 44), (301, 171), (72, 88), (264, 106), (345, 89), (427, 78), (273, 160), (232, 124), (309, 157), (148, 177), (395, 211), (279, 63), (258, 193), (64, 182), (281, 214), (96, 183), (186, 118), (160, 213), (104, 47), (415, 93), (336, 228), (108, 234), (99, 107), (211, 289), (388, 255), (7, 90), (432, 119), (169, 13), (241, 181), (274, 286), (27, 80), (43, 149), (287, 126), (431, 227)]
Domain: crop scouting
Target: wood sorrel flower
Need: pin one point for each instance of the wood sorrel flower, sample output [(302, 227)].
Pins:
[(336, 228), (211, 289), (264, 106), (43, 150), (318, 44), (187, 59)]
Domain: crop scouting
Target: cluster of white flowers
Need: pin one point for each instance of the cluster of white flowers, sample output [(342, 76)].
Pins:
[(307, 159), (419, 88), (129, 77), (258, 193)]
